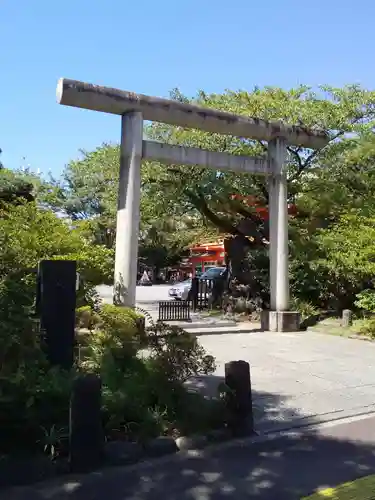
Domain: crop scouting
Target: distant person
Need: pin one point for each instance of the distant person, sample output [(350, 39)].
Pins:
[(145, 278)]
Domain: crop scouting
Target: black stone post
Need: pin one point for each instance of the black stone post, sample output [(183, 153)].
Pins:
[(56, 303), (194, 293), (239, 399), (86, 432)]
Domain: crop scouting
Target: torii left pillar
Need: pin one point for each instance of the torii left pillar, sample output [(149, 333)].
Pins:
[(128, 211)]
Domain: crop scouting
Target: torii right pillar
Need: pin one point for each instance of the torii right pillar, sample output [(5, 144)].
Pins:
[(279, 318)]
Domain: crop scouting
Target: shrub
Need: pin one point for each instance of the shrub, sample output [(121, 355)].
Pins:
[(305, 308), (143, 396), (33, 399), (368, 328), (118, 321), (366, 300), (146, 396), (86, 317), (177, 354)]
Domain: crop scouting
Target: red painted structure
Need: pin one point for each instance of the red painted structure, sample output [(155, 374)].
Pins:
[(205, 255)]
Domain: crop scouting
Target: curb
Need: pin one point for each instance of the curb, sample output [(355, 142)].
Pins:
[(319, 421), (194, 325), (223, 439), (227, 331)]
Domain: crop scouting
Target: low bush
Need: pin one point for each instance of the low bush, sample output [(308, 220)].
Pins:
[(305, 308), (368, 328), (86, 317), (143, 391), (365, 301), (118, 321), (143, 374)]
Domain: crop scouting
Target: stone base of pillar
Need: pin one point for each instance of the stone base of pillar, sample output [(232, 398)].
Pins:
[(280, 321)]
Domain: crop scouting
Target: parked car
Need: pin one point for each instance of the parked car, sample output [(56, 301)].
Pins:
[(214, 272), (180, 291)]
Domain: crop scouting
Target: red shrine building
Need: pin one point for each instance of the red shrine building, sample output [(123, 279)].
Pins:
[(204, 255)]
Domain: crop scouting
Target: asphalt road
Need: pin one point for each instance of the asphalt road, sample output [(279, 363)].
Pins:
[(286, 468), (144, 294)]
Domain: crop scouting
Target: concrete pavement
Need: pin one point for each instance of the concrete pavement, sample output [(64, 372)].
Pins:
[(298, 377), (144, 294), (284, 468)]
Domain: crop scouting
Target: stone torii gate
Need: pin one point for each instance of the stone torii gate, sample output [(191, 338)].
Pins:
[(134, 109)]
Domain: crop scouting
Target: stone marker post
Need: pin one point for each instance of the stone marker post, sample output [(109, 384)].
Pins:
[(56, 303), (347, 318), (239, 402), (85, 429)]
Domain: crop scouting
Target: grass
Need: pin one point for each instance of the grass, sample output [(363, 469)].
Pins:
[(332, 326), (212, 313), (361, 489)]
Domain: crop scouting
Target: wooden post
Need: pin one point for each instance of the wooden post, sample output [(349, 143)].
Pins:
[(86, 433), (239, 402), (194, 291), (56, 304)]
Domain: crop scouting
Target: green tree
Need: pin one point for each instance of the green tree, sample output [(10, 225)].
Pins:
[(29, 234), (14, 187), (89, 185), (346, 115), (324, 183), (87, 194)]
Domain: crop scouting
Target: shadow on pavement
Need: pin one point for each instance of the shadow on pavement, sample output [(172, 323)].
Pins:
[(285, 467), (270, 411)]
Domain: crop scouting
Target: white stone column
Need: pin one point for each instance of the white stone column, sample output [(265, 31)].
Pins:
[(278, 203), (128, 213)]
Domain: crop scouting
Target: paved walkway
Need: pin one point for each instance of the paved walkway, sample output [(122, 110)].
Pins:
[(287, 468), (298, 377)]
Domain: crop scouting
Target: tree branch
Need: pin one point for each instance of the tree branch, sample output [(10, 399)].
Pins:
[(303, 165), (200, 204), (264, 147)]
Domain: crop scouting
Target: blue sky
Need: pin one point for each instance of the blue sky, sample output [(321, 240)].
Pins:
[(153, 46)]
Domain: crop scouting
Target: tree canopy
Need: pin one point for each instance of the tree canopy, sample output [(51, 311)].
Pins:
[(89, 185)]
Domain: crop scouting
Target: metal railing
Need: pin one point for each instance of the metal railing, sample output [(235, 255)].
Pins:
[(174, 311)]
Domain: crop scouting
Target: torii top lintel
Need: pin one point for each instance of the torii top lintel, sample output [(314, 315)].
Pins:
[(108, 100)]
